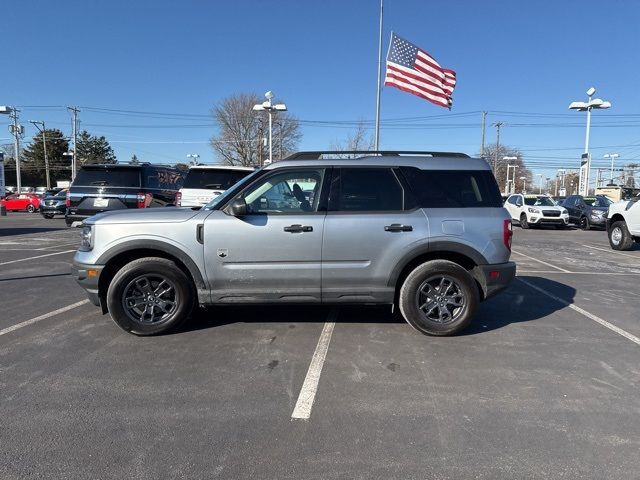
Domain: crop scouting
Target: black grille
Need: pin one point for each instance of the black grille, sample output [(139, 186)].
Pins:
[(551, 213)]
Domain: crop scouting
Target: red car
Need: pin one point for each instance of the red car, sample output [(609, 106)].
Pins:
[(22, 201)]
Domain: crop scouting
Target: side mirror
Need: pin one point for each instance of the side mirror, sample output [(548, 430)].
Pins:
[(237, 208), (518, 203)]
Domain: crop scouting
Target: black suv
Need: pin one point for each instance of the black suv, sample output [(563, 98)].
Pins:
[(587, 212), (99, 188)]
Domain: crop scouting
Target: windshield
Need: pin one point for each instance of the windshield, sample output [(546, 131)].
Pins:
[(539, 202), (597, 201), (222, 199), (213, 179), (108, 177)]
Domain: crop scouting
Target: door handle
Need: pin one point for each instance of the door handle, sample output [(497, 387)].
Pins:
[(297, 228), (398, 227)]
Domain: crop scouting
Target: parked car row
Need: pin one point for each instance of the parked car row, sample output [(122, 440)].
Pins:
[(621, 219)]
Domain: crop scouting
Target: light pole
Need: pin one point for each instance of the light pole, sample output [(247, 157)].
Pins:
[(524, 184), (612, 156), (44, 146), (585, 166), (540, 183), (195, 157), (270, 108), (16, 130), (508, 181)]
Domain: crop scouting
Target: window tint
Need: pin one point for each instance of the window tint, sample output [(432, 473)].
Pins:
[(295, 191), (367, 190), (108, 177), (513, 200), (539, 202), (164, 178), (213, 179), (453, 188)]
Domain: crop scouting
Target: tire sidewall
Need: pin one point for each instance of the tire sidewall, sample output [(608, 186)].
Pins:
[(626, 242), (149, 266), (409, 288), (524, 223)]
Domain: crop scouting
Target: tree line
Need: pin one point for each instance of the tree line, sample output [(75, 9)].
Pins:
[(91, 149)]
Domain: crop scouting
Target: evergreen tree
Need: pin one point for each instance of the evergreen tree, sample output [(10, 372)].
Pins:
[(32, 158), (93, 149)]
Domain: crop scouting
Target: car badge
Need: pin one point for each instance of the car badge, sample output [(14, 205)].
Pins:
[(223, 252)]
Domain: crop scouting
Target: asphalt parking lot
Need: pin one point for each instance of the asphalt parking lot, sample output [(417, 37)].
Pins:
[(543, 385)]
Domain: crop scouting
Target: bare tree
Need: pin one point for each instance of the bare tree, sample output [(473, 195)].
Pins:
[(241, 131), (359, 139), (501, 166)]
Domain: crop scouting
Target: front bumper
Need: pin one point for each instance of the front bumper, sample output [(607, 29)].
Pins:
[(495, 278), (88, 277), (537, 220)]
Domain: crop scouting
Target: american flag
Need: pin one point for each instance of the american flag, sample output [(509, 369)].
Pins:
[(414, 71)]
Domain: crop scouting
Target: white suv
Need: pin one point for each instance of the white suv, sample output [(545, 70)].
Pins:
[(623, 223), (534, 210), (204, 182)]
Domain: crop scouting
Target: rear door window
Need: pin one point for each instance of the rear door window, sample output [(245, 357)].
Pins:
[(367, 190), (108, 177), (453, 188)]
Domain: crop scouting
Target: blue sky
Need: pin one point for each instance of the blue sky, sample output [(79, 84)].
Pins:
[(321, 58)]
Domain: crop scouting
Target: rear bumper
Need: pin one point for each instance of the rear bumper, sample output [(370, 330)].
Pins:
[(88, 277), (495, 278)]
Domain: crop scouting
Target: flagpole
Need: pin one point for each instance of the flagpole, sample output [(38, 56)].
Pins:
[(377, 135)]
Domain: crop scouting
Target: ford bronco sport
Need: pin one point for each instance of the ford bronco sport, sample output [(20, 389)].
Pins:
[(425, 231)]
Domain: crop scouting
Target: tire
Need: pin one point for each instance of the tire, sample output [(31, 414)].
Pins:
[(523, 221), (31, 208), (148, 276), (585, 224), (68, 222), (48, 216), (619, 236), (428, 279)]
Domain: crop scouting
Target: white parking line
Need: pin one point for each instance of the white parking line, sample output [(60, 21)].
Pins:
[(540, 261), (611, 250), (37, 256), (582, 311), (309, 388), (13, 328)]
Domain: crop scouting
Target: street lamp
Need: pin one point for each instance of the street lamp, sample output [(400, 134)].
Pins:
[(524, 184), (612, 156), (44, 146), (596, 103), (270, 108), (508, 179), (540, 183), (195, 157)]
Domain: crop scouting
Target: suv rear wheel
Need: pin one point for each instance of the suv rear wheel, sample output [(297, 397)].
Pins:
[(150, 296), (439, 298), (619, 236)]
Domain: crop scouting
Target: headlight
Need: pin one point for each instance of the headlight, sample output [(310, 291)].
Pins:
[(564, 212), (533, 210), (86, 238), (597, 212)]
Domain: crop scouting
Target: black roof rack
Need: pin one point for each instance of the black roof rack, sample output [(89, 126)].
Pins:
[(389, 153)]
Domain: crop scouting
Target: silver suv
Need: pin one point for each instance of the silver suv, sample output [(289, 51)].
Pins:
[(422, 231)]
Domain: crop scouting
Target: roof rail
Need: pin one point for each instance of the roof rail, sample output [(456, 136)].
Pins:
[(316, 155)]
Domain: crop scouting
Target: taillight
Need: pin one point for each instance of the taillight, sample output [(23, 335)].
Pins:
[(179, 199), (143, 199), (67, 201), (507, 234)]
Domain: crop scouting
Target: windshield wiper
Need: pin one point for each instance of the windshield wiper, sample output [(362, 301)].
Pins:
[(213, 185), (100, 182)]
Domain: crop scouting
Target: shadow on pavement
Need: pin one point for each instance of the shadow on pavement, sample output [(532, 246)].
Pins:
[(520, 303), (6, 232)]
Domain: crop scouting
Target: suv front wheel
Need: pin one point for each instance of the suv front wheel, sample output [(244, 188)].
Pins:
[(619, 236), (439, 298), (150, 296)]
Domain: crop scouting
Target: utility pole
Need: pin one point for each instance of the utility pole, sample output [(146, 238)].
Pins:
[(495, 160), (74, 161), (17, 130), (44, 146), (484, 123)]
